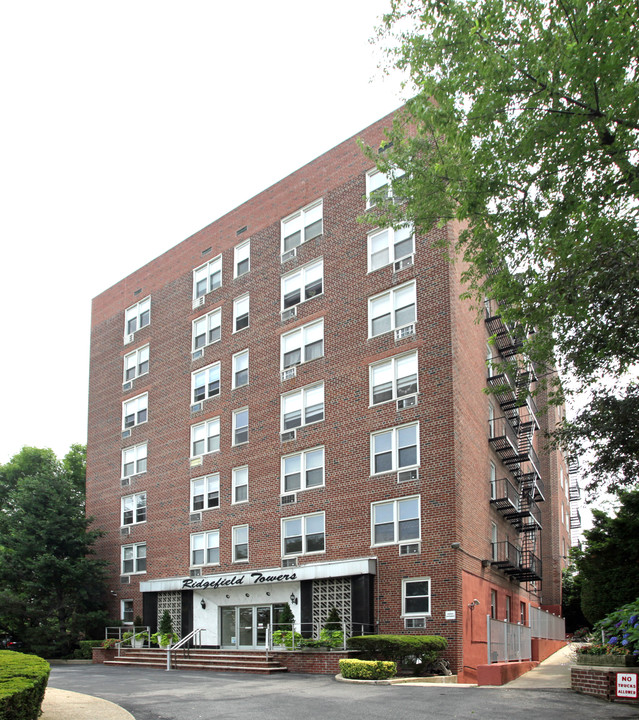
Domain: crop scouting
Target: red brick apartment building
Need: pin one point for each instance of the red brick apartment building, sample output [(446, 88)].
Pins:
[(289, 406)]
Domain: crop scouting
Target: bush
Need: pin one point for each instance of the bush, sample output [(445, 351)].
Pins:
[(620, 630), (84, 652), (23, 680), (408, 651), (367, 669), (285, 637)]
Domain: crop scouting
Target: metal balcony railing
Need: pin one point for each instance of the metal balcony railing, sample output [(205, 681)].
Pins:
[(575, 518), (505, 556), (574, 491), (504, 495), (508, 340), (503, 438)]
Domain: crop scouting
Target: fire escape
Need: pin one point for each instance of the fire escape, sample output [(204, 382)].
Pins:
[(511, 436), (574, 496)]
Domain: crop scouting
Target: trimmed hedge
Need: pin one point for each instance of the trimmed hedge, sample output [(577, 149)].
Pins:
[(367, 669), (413, 652), (85, 651), (23, 680)]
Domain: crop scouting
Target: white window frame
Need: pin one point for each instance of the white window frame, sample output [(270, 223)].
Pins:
[(209, 427), (137, 316), (138, 560), (393, 364), (390, 297), (376, 180), (124, 613), (238, 414), (304, 459), (238, 305), (205, 542), (241, 254), (235, 544), (396, 504), (138, 362), (304, 534), (303, 394), (394, 448), (133, 500), (140, 455), (238, 361), (494, 539), (210, 490), (303, 280), (210, 372), (140, 406), (405, 596), (207, 273), (240, 485), (212, 321), (298, 340), (493, 480), (393, 239), (304, 222)]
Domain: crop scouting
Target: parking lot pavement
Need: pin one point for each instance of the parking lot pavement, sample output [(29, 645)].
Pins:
[(184, 695)]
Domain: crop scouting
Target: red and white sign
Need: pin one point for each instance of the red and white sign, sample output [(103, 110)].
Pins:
[(627, 685)]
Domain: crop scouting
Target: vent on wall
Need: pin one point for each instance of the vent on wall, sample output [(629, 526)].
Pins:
[(289, 314), (125, 531), (412, 623), (405, 475), (289, 562), (289, 255), (409, 549), (405, 262), (125, 481), (288, 373), (288, 435), (197, 354), (406, 402), (125, 580), (196, 572), (198, 302), (288, 499), (404, 332), (126, 434), (195, 517), (129, 338)]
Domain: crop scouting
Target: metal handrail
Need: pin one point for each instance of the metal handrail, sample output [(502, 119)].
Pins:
[(180, 643)]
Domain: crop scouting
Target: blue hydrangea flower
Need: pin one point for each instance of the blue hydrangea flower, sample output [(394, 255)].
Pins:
[(619, 624), (624, 642), (636, 626), (633, 620), (613, 640)]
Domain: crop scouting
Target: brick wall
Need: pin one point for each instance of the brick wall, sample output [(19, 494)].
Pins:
[(600, 682)]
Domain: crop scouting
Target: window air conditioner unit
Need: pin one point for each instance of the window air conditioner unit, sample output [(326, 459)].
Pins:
[(125, 531), (125, 482), (288, 435), (289, 373), (406, 402), (288, 499), (195, 517), (403, 263), (195, 355), (404, 332), (125, 580), (196, 572), (405, 475), (409, 549), (198, 302), (127, 386), (289, 255), (412, 623), (196, 407), (129, 338), (289, 313), (126, 434), (289, 562), (196, 461)]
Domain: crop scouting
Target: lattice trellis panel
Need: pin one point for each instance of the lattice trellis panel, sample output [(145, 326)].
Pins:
[(171, 600), (329, 593)]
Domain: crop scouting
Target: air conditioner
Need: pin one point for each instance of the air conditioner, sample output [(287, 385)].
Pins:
[(289, 562), (125, 482), (129, 338), (288, 373), (409, 549), (198, 302), (196, 354), (406, 402), (404, 332), (196, 407), (195, 517), (127, 386), (289, 314), (288, 499), (405, 475), (289, 255), (125, 580), (125, 531), (288, 435), (196, 461), (126, 434), (412, 623), (404, 263), (196, 572)]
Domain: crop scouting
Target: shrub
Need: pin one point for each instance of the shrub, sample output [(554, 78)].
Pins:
[(23, 680), (620, 630), (333, 621), (84, 652), (285, 637), (408, 651), (367, 669)]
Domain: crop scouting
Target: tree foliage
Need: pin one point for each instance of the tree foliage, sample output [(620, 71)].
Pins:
[(51, 587)]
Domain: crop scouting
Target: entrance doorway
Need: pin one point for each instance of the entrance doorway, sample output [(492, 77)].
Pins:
[(244, 627)]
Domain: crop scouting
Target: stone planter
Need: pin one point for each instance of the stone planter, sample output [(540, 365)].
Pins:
[(606, 660)]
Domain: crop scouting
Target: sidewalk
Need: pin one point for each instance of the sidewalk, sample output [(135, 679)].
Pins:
[(67, 705), (554, 672)]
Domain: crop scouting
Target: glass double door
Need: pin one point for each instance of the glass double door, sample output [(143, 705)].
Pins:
[(245, 626)]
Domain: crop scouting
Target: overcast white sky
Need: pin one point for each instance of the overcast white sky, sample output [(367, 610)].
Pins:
[(128, 126)]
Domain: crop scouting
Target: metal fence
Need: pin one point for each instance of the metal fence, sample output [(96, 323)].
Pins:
[(546, 625), (507, 641)]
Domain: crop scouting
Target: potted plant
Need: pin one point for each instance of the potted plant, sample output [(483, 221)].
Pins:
[(139, 639), (165, 636)]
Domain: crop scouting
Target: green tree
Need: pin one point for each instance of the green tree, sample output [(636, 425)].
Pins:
[(571, 599), (524, 127), (51, 585)]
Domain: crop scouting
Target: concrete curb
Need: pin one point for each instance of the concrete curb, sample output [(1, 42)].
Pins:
[(67, 705)]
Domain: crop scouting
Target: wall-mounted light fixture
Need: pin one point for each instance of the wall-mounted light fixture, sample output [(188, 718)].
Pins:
[(472, 605), (228, 596), (203, 604), (247, 595), (293, 599), (268, 594)]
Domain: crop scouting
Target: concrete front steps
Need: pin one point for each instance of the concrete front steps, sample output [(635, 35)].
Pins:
[(201, 659)]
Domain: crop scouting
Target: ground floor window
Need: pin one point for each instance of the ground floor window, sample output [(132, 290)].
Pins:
[(126, 611), (416, 596)]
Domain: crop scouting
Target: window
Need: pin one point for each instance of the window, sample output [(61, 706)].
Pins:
[(303, 535), (393, 378), (205, 548), (126, 611), (378, 185), (137, 316), (395, 521), (302, 344), (136, 363), (493, 481), (416, 596), (389, 245), (242, 258), (493, 540), (207, 329), (493, 604), (205, 383), (303, 470), (205, 492), (133, 559), (205, 437), (522, 613), (134, 460), (241, 313), (207, 277), (241, 369), (491, 420), (395, 449), (134, 509), (240, 484), (303, 225), (302, 284), (392, 309), (134, 411), (240, 426), (240, 543), (303, 406), (508, 601)]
